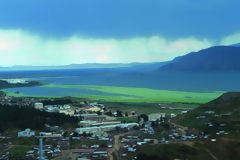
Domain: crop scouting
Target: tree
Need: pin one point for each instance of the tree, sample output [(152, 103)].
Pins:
[(65, 134), (109, 113), (144, 116), (119, 113)]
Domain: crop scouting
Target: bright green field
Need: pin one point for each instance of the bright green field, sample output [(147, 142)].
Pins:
[(132, 94), (144, 94)]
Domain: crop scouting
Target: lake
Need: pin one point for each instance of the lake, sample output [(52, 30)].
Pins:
[(197, 82)]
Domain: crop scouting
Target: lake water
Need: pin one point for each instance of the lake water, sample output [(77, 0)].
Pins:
[(60, 92), (201, 82)]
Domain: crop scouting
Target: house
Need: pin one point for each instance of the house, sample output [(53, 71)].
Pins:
[(172, 115), (49, 128), (38, 105), (184, 112), (93, 109), (86, 123), (210, 112), (156, 116), (51, 108), (67, 112), (105, 128), (89, 123), (93, 117), (26, 133)]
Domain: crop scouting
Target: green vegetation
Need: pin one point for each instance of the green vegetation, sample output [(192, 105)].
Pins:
[(132, 94), (224, 148), (13, 117), (171, 151), (148, 108), (20, 141), (18, 152), (225, 110)]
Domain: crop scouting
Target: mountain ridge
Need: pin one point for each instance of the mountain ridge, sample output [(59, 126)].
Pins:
[(217, 58), (124, 66)]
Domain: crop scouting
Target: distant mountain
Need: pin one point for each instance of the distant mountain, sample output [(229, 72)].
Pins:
[(218, 58), (71, 66), (236, 45), (120, 66)]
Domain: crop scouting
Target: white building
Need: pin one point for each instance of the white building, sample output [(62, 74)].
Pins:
[(89, 123), (38, 106), (15, 81), (172, 115), (105, 128), (26, 133), (67, 112), (156, 116)]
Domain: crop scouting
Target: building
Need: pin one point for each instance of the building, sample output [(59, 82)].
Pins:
[(89, 123), (38, 106), (156, 116), (172, 115), (105, 128), (51, 108), (26, 133), (55, 129), (94, 109), (93, 117), (67, 112), (16, 81)]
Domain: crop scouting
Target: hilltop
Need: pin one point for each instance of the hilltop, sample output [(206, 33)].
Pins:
[(217, 58)]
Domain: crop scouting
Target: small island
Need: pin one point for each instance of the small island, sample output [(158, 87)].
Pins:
[(16, 83)]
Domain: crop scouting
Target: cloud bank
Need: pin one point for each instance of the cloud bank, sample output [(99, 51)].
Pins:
[(19, 47)]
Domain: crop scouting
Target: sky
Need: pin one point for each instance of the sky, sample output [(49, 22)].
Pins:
[(60, 32)]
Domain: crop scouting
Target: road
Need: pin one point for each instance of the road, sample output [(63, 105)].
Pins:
[(116, 144), (72, 153)]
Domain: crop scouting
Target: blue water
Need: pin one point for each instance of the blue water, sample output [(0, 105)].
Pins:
[(201, 82), (61, 92)]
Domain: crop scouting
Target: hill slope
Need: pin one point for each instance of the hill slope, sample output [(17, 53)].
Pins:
[(218, 58), (223, 110)]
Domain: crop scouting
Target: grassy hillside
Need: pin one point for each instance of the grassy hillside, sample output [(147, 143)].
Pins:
[(224, 149), (223, 114), (223, 110), (172, 151)]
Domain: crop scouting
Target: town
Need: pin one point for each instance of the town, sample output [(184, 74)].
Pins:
[(99, 133)]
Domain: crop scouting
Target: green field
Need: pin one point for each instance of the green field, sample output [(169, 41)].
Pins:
[(148, 108), (132, 94), (145, 94)]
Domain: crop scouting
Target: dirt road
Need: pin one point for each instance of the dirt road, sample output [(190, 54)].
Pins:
[(116, 144)]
